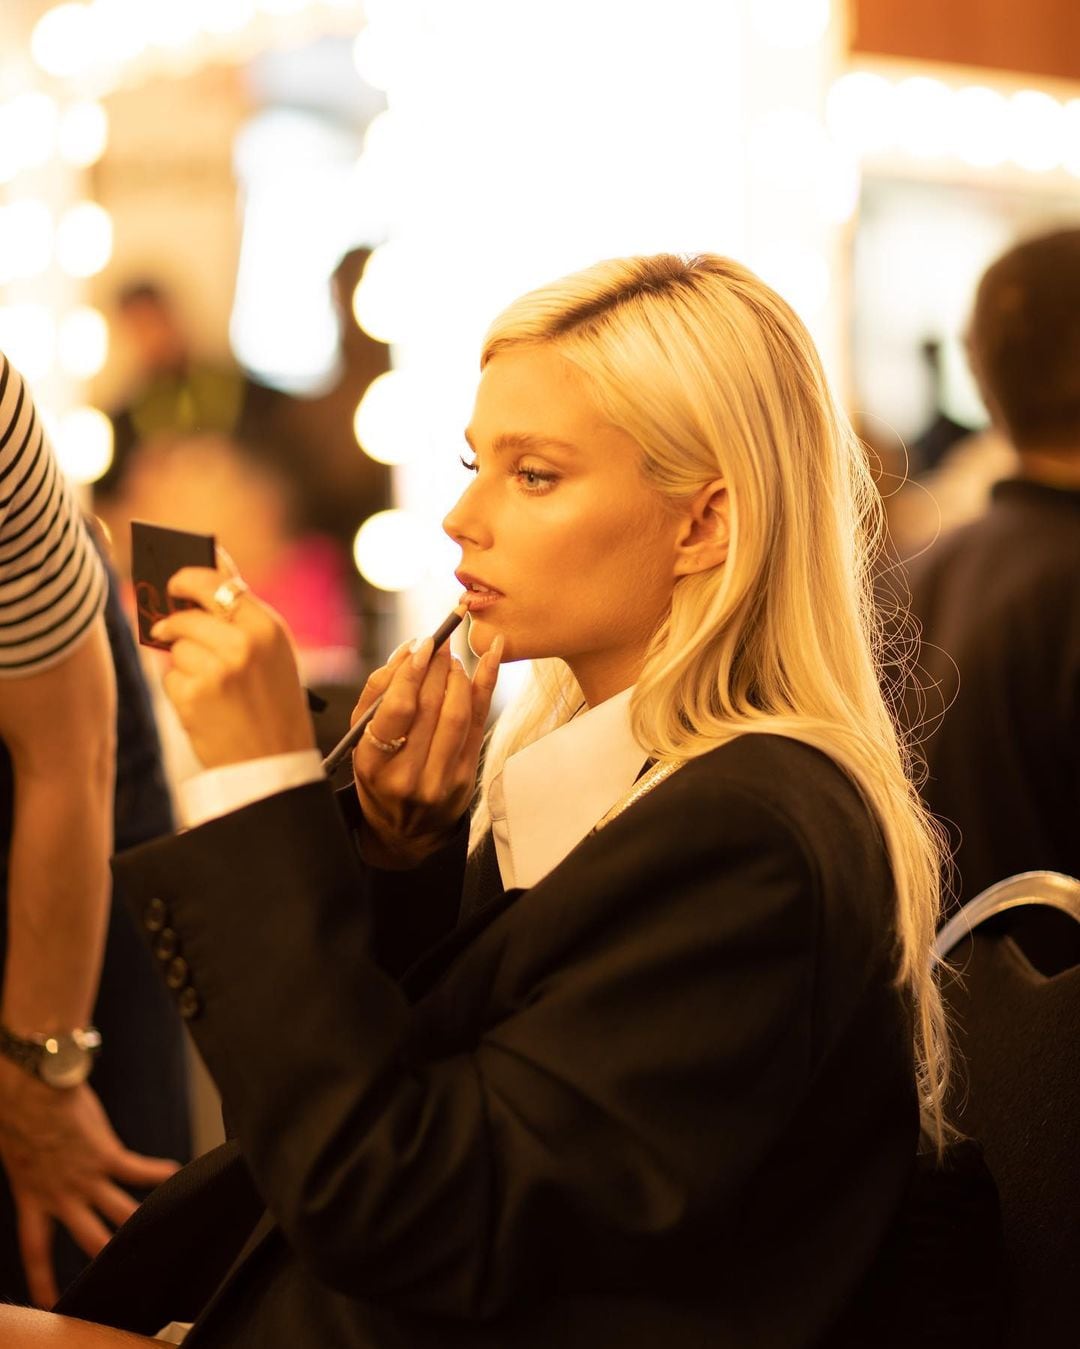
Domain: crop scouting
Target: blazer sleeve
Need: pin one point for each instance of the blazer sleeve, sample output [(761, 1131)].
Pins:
[(654, 1037), (411, 910)]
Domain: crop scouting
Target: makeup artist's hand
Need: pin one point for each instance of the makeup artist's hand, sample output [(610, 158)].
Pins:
[(413, 796), (232, 679)]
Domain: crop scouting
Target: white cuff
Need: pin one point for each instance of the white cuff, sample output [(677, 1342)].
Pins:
[(218, 791)]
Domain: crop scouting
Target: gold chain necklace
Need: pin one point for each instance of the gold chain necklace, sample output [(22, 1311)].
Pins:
[(658, 773)]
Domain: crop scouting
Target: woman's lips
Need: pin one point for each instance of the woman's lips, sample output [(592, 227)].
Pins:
[(477, 595), (478, 600)]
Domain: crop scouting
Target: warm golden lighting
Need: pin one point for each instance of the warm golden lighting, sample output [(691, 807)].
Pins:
[(392, 550), (83, 342), (28, 339), (84, 444), (84, 133), (84, 239), (26, 240), (62, 40), (389, 421)]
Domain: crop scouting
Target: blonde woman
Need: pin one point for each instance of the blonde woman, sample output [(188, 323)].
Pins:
[(648, 1061)]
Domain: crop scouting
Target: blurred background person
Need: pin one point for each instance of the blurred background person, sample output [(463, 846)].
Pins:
[(999, 599), (172, 391)]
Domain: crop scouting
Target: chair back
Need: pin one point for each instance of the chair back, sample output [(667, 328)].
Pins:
[(1017, 1087)]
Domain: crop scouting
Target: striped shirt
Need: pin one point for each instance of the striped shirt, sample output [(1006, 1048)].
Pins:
[(52, 583)]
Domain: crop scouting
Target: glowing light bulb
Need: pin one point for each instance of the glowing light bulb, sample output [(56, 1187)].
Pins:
[(28, 339), (84, 239), (861, 112), (923, 108), (385, 294), (389, 424), (392, 550), (34, 119), (84, 444), (84, 133), (83, 342), (62, 42), (1036, 131), (26, 240), (978, 126)]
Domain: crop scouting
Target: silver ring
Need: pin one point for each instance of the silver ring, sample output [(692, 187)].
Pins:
[(227, 596), (385, 746)]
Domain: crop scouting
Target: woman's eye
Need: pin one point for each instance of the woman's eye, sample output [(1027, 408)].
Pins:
[(470, 464), (534, 479)]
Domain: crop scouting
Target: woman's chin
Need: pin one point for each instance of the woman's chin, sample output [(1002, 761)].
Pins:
[(481, 635)]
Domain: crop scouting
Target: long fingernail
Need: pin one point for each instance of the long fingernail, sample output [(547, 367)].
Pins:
[(422, 654), (497, 647)]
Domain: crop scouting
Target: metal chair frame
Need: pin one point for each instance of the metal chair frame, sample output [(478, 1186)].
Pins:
[(1053, 889)]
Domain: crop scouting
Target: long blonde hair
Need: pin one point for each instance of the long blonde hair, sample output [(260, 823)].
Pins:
[(712, 374)]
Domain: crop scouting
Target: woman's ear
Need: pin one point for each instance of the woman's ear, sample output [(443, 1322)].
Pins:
[(702, 541)]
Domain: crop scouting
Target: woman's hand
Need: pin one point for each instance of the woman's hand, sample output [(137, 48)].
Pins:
[(233, 678), (413, 797)]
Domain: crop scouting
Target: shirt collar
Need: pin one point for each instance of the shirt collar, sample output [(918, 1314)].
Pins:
[(550, 794)]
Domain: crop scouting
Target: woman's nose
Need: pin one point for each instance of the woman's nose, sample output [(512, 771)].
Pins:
[(463, 522)]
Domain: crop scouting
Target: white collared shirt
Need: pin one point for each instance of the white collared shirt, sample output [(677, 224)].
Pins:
[(550, 794)]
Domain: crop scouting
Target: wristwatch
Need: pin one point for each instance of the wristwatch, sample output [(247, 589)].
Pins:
[(63, 1059)]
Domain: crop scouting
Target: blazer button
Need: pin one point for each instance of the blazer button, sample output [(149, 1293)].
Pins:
[(155, 915), (189, 1004), (167, 945), (176, 974)]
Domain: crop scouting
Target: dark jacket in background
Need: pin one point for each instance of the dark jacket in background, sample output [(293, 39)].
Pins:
[(999, 604)]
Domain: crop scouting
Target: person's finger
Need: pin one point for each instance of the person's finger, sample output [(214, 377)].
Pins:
[(192, 658), (135, 1169), (449, 736), (86, 1229), (379, 681), (225, 562), (410, 761), (35, 1231), (397, 712), (179, 688), (197, 625), (198, 584), (113, 1203)]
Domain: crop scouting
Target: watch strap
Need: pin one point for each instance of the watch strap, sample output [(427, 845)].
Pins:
[(29, 1051)]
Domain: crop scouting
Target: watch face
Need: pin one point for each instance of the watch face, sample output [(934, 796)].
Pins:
[(64, 1063)]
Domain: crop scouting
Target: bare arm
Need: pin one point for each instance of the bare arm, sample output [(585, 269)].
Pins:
[(60, 1153), (23, 1329), (59, 727)]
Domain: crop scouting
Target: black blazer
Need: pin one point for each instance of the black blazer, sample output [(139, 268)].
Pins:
[(664, 1098)]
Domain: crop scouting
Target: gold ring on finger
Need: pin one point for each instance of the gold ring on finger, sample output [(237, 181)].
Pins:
[(386, 746), (227, 596)]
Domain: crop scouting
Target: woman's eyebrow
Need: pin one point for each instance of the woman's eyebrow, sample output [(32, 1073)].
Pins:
[(524, 440)]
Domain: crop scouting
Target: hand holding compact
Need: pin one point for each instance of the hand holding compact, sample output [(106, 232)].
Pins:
[(415, 765), (233, 678)]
